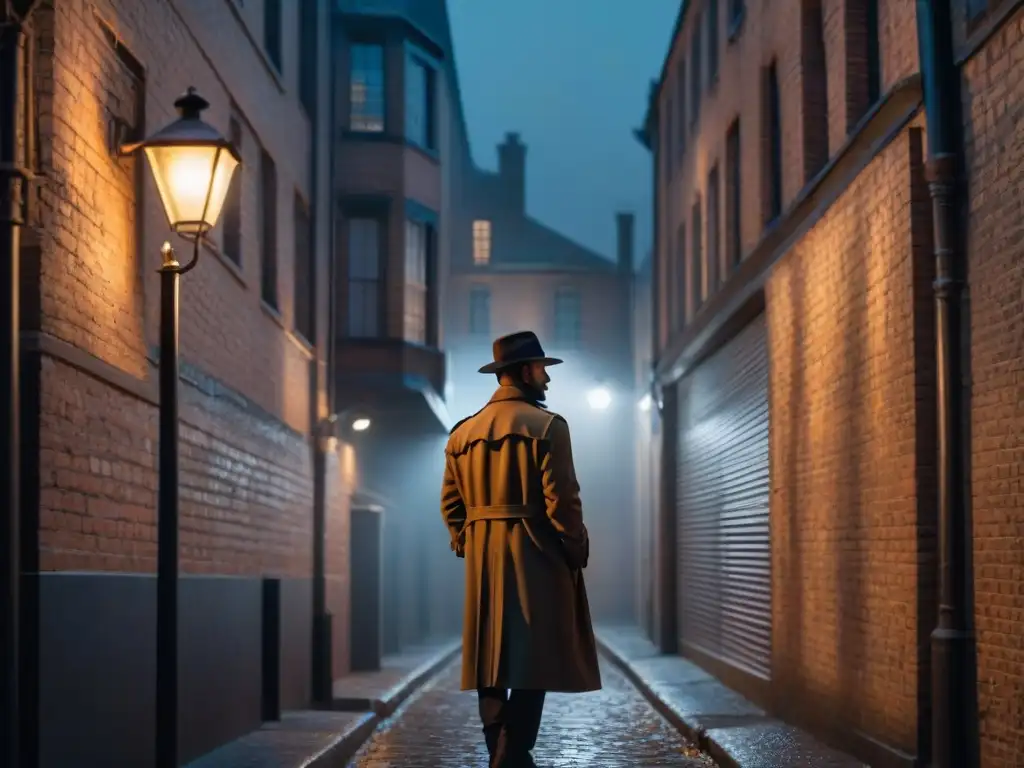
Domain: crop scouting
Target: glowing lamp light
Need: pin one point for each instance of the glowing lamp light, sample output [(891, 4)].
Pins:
[(645, 403), (599, 398), (361, 425), (192, 166)]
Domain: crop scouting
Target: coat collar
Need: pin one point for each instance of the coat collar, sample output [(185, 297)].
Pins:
[(507, 392)]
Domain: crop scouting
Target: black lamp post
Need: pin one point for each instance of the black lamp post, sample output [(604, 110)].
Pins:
[(192, 165)]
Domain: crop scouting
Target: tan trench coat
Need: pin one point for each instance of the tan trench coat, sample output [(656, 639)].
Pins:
[(511, 501)]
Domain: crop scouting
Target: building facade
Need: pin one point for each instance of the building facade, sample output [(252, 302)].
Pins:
[(398, 125), (797, 353), (253, 385), (510, 272)]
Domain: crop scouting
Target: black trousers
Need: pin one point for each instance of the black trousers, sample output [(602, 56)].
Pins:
[(511, 721)]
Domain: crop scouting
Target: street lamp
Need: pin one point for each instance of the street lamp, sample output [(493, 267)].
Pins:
[(599, 398), (192, 166)]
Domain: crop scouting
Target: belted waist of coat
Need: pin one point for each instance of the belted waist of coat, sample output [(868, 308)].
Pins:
[(504, 512)]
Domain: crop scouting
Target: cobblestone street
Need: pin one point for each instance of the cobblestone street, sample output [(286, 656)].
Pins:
[(439, 728)]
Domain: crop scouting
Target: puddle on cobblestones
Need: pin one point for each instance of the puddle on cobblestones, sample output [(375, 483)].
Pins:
[(612, 728)]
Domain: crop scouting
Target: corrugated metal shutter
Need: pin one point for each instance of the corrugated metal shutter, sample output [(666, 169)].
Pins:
[(724, 546)]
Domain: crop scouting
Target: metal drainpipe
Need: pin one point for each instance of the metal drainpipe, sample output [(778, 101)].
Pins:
[(322, 651), (953, 675), (13, 178)]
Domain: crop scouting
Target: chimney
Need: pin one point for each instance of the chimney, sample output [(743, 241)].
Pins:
[(624, 248), (512, 170)]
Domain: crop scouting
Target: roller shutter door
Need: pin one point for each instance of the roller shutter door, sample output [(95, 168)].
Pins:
[(724, 565)]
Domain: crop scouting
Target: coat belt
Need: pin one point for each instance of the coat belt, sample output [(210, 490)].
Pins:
[(503, 512)]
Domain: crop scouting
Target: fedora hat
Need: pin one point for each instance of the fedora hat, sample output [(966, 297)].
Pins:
[(518, 349)]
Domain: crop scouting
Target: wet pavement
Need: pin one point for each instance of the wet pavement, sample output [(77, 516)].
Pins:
[(609, 728)]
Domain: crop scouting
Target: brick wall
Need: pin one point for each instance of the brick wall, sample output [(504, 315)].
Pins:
[(994, 107), (245, 466), (846, 401), (768, 33)]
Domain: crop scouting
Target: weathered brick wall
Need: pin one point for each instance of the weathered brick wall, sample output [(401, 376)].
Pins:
[(994, 107), (245, 462), (847, 398), (770, 32)]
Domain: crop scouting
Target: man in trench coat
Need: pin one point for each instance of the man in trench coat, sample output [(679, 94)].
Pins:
[(511, 502)]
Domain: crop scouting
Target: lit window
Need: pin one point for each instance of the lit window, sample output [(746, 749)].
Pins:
[(366, 88), (481, 242)]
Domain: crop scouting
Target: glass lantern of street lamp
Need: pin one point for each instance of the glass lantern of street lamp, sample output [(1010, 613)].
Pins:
[(192, 166), (361, 424)]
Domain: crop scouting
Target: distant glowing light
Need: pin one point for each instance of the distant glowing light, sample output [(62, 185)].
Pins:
[(361, 425), (599, 398), (645, 403)]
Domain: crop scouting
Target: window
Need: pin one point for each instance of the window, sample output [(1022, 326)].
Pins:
[(366, 88), (232, 243), (481, 242), (480, 310), (863, 63), (419, 103), (272, 31), (712, 40), (308, 51), (874, 53), (679, 284), (733, 231), (696, 259), (364, 277), (696, 81), (305, 292), (714, 225), (568, 330), (681, 106), (814, 87), (268, 245), (772, 154), (737, 10), (417, 244)]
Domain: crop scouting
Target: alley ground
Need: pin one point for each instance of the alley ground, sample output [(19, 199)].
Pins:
[(613, 727)]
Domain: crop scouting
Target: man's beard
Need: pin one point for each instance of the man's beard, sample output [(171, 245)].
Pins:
[(533, 391)]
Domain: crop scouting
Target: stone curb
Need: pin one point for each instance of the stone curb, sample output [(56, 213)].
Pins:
[(340, 751), (692, 731), (385, 705)]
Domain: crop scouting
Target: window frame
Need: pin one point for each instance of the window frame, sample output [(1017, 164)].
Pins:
[(562, 294), (479, 238), (475, 292), (367, 123), (273, 33), (304, 302), (415, 60), (233, 214), (379, 214), (270, 267)]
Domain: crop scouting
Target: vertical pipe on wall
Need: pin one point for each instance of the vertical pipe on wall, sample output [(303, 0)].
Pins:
[(953, 677), (12, 180)]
